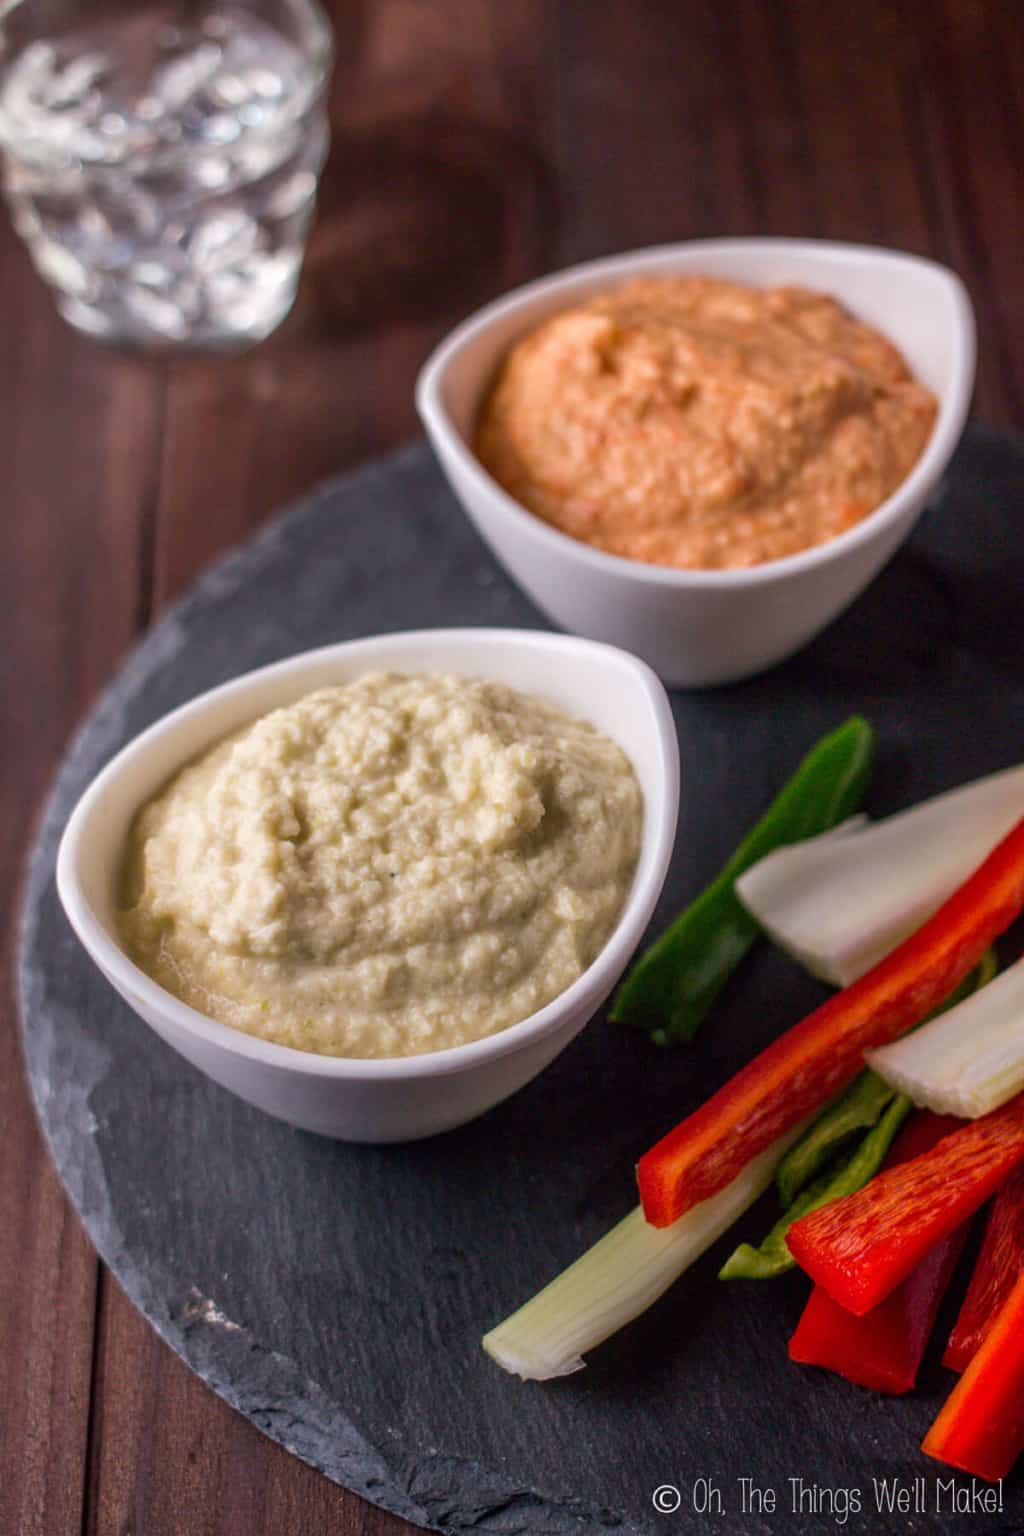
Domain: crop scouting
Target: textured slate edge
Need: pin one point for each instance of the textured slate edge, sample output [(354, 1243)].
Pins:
[(265, 1387)]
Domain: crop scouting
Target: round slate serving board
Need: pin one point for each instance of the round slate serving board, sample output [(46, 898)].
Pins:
[(335, 1294)]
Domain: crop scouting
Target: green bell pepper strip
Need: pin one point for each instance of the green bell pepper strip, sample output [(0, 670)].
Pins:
[(672, 986), (773, 1257), (859, 1107)]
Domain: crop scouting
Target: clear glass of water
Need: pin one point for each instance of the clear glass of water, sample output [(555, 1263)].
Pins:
[(161, 159)]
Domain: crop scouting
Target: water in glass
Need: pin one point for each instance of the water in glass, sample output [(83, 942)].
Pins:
[(162, 168)]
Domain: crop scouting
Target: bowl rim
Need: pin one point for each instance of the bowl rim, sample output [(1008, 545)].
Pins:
[(657, 842), (945, 435)]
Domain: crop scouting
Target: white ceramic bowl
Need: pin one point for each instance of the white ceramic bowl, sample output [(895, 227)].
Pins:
[(704, 627), (404, 1098)]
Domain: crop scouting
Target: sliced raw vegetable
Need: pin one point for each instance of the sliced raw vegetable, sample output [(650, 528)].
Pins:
[(968, 1061), (981, 1427), (773, 1257), (617, 1279), (999, 1263), (861, 1248), (867, 1103), (818, 1057), (839, 905), (883, 1349), (674, 983), (858, 1108)]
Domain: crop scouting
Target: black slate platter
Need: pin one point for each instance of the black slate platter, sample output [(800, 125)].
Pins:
[(335, 1294)]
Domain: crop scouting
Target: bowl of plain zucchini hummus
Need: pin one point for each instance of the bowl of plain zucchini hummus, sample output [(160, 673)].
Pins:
[(375, 889)]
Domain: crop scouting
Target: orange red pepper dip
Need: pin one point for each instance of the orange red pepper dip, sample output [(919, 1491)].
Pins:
[(693, 422)]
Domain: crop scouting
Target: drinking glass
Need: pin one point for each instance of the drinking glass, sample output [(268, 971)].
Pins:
[(161, 159)]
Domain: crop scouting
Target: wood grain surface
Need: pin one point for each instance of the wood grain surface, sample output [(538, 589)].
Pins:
[(475, 144)]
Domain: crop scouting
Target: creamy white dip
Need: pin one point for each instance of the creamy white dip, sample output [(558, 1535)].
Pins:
[(385, 868)]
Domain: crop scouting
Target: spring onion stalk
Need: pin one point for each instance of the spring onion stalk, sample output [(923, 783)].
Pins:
[(619, 1278), (838, 904), (970, 1060)]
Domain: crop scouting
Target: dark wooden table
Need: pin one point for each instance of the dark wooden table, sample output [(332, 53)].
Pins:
[(476, 144)]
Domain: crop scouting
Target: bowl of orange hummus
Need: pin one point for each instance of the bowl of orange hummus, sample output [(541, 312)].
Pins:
[(705, 452)]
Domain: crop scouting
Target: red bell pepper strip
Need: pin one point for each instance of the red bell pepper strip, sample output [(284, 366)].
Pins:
[(862, 1247), (1000, 1261), (883, 1349), (811, 1062), (981, 1426)]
